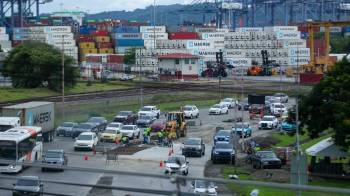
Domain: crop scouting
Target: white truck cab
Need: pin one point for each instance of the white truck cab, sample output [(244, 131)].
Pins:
[(7, 123), (149, 110)]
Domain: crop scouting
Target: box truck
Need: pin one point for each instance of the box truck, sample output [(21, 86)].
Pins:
[(34, 113)]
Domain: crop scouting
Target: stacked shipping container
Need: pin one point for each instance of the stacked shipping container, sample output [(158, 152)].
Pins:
[(5, 43)]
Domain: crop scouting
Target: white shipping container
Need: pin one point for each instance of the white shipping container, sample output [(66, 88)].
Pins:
[(249, 29), (223, 30), (127, 36), (206, 53), (283, 35), (298, 60), (296, 52), (204, 30), (5, 44), (285, 28), (229, 53), (150, 29), (30, 36), (2, 30), (299, 43), (71, 50), (213, 36), (151, 35), (24, 30), (199, 44), (244, 62), (68, 36), (4, 37), (58, 29), (59, 43)]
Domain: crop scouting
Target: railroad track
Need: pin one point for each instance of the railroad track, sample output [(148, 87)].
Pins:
[(148, 90)]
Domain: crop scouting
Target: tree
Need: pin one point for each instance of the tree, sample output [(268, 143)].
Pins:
[(327, 106), (129, 57), (35, 64)]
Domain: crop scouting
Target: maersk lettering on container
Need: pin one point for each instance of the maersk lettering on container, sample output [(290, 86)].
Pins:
[(154, 36), (283, 35), (294, 43), (285, 28), (150, 29), (205, 52), (58, 29), (296, 52), (234, 53), (298, 60), (199, 44), (68, 36), (213, 36), (244, 62), (128, 36), (249, 29)]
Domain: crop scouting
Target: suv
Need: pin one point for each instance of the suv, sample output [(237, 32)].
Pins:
[(242, 129), (149, 111), (65, 129), (100, 122), (131, 131), (54, 157), (86, 140), (266, 159), (229, 102), (125, 117), (193, 146), (277, 109), (83, 127), (268, 122), (202, 187), (145, 121), (223, 136), (223, 151), (190, 111), (28, 185), (176, 164)]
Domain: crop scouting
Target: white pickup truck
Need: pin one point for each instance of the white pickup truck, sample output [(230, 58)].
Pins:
[(8, 123), (152, 111)]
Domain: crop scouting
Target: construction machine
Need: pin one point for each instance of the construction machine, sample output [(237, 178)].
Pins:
[(265, 69), (176, 123)]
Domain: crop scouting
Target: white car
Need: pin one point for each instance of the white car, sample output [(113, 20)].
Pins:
[(176, 164), (218, 109), (126, 77), (115, 126), (130, 131), (202, 187), (277, 109), (229, 102), (149, 110), (268, 122), (190, 111), (282, 97), (86, 140)]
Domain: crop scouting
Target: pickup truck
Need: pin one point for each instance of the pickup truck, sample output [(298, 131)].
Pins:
[(152, 111)]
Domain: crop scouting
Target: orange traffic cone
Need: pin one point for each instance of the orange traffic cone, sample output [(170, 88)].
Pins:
[(161, 164), (86, 157)]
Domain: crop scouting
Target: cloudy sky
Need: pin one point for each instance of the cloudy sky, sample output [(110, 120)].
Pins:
[(94, 6)]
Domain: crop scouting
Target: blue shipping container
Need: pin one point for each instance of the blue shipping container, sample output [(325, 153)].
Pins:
[(346, 29), (129, 42), (86, 30), (126, 29)]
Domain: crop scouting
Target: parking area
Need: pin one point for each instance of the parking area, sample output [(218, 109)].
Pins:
[(143, 158)]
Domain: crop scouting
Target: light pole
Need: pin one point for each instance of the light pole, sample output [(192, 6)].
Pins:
[(297, 123), (140, 75), (62, 53)]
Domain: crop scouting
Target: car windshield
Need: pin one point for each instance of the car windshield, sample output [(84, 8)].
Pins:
[(176, 160), (203, 184), (8, 150), (192, 142), (128, 127), (216, 106), (95, 120), (84, 126), (267, 119), (145, 117), (123, 113), (224, 145), (85, 137), (114, 125), (146, 109), (279, 106), (240, 125), (223, 133), (67, 125), (5, 127), (227, 100), (187, 108), (53, 154), (267, 155), (109, 131), (27, 182)]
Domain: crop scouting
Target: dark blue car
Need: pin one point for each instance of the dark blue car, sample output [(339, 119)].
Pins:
[(223, 136)]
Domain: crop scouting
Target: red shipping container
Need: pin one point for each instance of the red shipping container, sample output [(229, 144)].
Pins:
[(309, 78), (183, 35), (114, 58), (85, 38), (304, 29), (104, 45), (94, 59), (100, 33)]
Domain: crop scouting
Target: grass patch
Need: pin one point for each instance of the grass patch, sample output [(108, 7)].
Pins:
[(13, 94), (287, 140)]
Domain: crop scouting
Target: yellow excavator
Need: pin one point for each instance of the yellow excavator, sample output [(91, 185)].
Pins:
[(176, 123)]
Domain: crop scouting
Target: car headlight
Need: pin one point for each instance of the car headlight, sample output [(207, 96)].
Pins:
[(12, 166), (265, 162), (216, 153)]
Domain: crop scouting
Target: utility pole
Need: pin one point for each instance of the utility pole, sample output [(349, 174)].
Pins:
[(141, 84), (242, 110), (297, 123), (63, 78)]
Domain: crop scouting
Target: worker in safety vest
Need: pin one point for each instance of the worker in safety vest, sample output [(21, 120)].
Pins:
[(146, 135), (125, 140), (160, 136), (171, 138)]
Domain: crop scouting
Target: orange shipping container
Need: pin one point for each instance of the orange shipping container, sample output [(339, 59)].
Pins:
[(88, 50), (87, 45), (102, 39), (105, 51)]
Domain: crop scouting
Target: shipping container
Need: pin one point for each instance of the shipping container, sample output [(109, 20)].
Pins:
[(66, 36), (61, 43), (285, 35), (88, 50), (86, 30), (151, 29), (93, 59), (125, 49), (229, 53), (114, 58), (205, 30), (100, 33), (102, 39), (85, 38), (213, 36), (126, 29), (298, 52), (298, 60), (72, 50), (205, 52), (129, 42), (183, 35), (4, 37), (199, 44), (151, 36), (41, 114), (127, 36), (3, 30), (58, 29), (105, 51), (104, 45), (87, 45), (309, 78), (249, 29), (239, 62), (5, 44)]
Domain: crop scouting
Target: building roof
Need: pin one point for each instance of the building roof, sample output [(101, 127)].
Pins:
[(326, 147), (28, 105), (178, 56)]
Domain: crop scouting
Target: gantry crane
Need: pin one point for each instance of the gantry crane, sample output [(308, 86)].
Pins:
[(321, 64)]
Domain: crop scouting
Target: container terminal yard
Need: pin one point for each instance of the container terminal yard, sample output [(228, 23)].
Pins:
[(202, 97)]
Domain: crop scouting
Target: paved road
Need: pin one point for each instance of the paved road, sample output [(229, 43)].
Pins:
[(140, 162)]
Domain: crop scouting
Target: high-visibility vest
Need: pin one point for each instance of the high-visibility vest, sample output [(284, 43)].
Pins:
[(159, 134)]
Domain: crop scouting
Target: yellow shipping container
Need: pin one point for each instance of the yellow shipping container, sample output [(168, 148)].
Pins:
[(105, 51), (88, 51), (102, 39), (87, 45)]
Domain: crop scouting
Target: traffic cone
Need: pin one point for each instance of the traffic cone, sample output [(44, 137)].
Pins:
[(86, 157), (161, 164), (94, 152)]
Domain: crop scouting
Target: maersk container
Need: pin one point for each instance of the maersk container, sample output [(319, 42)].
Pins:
[(126, 29), (127, 36), (129, 42), (41, 114), (2, 30)]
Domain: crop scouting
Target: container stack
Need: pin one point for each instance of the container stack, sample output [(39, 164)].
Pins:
[(103, 42), (150, 34), (5, 43), (96, 64), (126, 38), (60, 37)]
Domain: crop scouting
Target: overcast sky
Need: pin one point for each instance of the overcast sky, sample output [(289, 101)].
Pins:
[(94, 6)]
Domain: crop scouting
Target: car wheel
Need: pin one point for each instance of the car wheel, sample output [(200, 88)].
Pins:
[(186, 172), (260, 166), (203, 153), (43, 169), (226, 111), (191, 117), (138, 135), (197, 115), (157, 116), (133, 136)]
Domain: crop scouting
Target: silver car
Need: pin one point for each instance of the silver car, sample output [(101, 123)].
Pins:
[(28, 185)]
